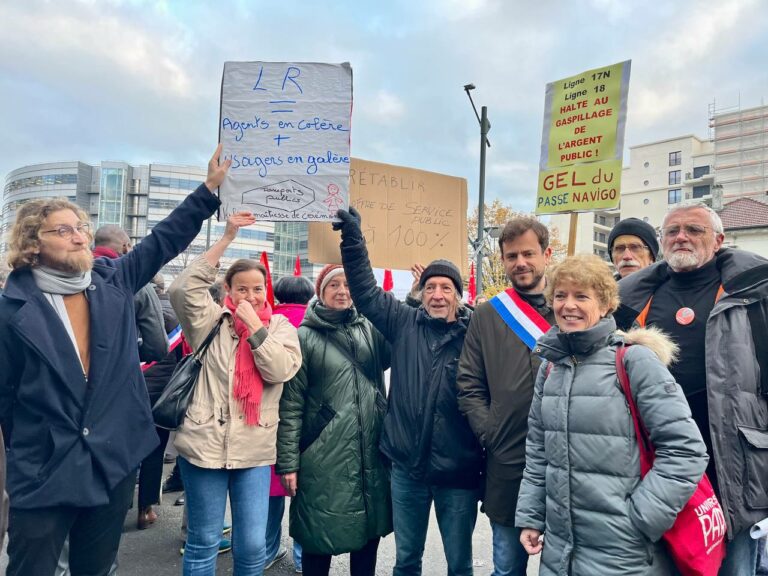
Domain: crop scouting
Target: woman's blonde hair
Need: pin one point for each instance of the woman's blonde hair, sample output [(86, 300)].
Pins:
[(585, 271), (24, 239)]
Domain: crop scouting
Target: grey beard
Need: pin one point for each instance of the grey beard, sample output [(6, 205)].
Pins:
[(682, 261)]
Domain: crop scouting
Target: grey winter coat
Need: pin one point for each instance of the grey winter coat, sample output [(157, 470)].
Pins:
[(581, 484), (737, 377)]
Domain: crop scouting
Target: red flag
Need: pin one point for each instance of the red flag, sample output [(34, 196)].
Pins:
[(297, 267), (388, 282), (270, 294), (472, 288)]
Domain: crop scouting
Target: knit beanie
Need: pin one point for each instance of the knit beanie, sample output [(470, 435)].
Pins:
[(325, 276), (442, 268), (635, 227)]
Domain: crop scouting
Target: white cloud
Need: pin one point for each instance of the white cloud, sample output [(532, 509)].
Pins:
[(80, 42), (704, 30), (384, 108)]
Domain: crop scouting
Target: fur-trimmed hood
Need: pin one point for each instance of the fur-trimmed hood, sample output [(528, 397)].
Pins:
[(555, 344), (655, 340)]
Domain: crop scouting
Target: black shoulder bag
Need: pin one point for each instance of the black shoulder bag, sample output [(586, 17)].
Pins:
[(171, 408)]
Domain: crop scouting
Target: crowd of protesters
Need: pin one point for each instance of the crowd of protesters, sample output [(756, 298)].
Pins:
[(291, 401)]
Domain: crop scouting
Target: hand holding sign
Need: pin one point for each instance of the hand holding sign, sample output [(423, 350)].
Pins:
[(217, 170)]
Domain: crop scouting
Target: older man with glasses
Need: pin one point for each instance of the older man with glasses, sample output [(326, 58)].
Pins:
[(632, 246), (713, 302)]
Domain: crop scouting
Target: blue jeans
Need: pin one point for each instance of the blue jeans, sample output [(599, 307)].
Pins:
[(456, 511), (740, 556), (206, 492), (275, 531), (509, 556)]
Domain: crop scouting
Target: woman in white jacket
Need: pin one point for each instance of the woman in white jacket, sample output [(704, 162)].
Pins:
[(228, 439)]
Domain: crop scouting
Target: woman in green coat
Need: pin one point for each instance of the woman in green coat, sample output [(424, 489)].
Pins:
[(331, 416)]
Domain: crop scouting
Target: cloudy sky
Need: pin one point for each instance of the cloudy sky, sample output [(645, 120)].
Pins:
[(139, 81)]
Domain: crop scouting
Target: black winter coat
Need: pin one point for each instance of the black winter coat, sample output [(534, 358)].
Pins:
[(158, 375), (72, 439), (424, 432)]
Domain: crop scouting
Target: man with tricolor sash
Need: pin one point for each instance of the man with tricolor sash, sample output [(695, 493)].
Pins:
[(496, 373)]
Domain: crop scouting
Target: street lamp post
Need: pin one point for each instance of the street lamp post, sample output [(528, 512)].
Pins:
[(485, 127)]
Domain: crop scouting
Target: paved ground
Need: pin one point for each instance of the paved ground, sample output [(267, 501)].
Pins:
[(155, 551)]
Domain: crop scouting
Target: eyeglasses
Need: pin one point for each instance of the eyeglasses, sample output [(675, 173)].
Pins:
[(66, 231), (636, 249), (690, 230)]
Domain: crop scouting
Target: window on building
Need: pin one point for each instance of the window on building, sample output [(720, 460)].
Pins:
[(701, 191), (675, 158), (112, 197), (601, 220), (674, 196), (699, 171), (601, 237), (674, 177)]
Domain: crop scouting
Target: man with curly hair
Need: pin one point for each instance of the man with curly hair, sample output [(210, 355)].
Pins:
[(73, 404)]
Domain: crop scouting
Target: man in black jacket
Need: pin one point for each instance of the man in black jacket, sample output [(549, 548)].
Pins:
[(434, 454), (497, 371)]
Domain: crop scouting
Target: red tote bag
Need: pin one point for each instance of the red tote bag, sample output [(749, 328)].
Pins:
[(696, 541)]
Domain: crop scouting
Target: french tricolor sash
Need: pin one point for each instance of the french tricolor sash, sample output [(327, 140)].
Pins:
[(174, 339), (520, 316)]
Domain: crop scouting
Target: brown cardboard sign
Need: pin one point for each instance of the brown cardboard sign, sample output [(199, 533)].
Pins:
[(409, 216)]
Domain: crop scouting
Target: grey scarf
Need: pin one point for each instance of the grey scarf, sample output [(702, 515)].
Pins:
[(54, 281)]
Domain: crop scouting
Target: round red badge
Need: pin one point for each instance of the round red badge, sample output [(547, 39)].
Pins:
[(685, 316)]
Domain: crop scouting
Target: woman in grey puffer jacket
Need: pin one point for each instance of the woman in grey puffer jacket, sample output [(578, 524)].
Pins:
[(581, 487)]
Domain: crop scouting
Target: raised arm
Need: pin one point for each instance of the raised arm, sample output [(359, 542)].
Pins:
[(384, 311), (173, 234), (234, 223), (194, 307)]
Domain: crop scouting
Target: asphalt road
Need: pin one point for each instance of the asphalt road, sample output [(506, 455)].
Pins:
[(155, 551)]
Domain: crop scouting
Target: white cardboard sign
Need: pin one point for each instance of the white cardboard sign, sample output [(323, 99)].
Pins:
[(286, 126)]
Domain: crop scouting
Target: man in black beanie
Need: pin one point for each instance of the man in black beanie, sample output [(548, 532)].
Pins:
[(435, 457), (632, 246)]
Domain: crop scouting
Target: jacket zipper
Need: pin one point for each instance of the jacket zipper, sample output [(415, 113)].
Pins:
[(359, 420)]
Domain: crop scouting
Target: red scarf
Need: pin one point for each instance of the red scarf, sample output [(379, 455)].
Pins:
[(248, 382)]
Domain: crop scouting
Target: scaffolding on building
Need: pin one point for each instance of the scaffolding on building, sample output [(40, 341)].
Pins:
[(740, 144)]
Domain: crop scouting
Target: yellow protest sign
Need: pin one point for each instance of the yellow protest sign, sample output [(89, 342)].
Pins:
[(583, 140), (579, 187)]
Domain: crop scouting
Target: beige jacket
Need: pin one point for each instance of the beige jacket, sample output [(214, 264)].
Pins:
[(214, 433)]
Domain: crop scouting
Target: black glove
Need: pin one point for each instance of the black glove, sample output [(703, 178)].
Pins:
[(351, 232)]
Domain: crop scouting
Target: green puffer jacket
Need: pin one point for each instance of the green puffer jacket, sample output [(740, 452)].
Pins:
[(331, 416)]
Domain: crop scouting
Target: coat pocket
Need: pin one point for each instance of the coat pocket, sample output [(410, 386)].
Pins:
[(199, 414), (269, 417), (316, 427), (756, 466)]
